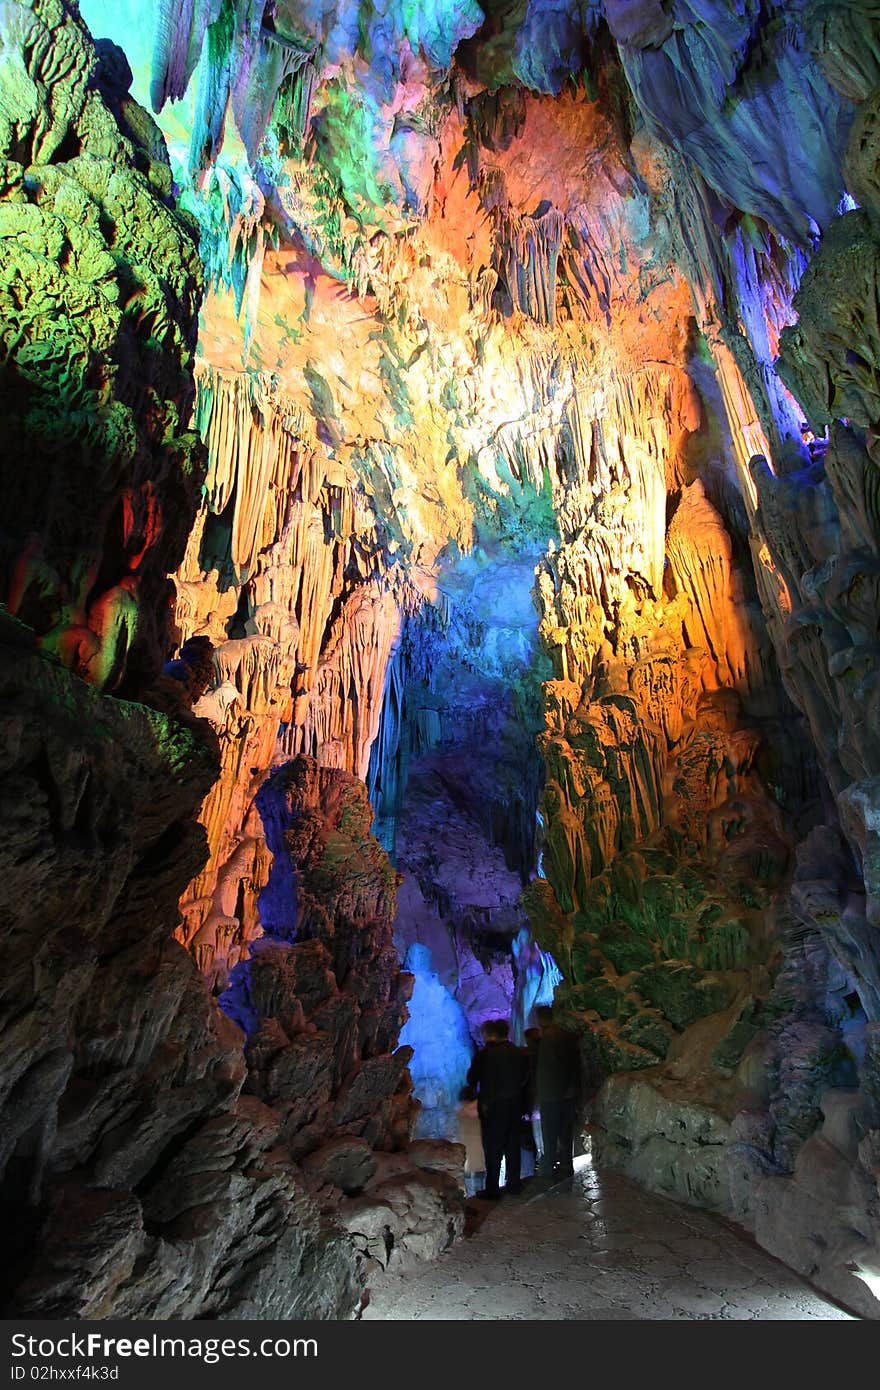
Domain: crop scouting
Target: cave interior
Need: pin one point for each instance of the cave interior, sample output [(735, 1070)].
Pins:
[(439, 573)]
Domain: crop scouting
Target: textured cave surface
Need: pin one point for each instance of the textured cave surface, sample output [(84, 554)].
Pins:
[(411, 562)]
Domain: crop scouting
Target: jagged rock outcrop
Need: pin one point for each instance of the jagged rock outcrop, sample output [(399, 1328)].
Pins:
[(101, 283), (322, 999), (139, 1179), (785, 1143), (162, 1170)]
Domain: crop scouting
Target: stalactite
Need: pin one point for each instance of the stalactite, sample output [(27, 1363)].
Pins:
[(404, 733), (212, 100), (235, 235), (526, 255), (258, 445), (284, 575), (347, 699), (180, 31), (258, 82), (700, 553)]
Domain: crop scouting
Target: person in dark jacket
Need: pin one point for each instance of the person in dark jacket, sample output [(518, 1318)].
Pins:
[(500, 1073), (557, 1085)]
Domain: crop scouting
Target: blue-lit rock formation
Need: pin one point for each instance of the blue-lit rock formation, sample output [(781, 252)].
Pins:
[(727, 84), (455, 775), (438, 1033)]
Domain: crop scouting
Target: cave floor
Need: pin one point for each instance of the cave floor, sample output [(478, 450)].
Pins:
[(597, 1247)]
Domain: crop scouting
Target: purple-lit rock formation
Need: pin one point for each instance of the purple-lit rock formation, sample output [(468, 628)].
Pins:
[(537, 391)]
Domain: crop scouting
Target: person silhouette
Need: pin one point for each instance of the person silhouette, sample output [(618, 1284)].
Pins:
[(557, 1084), (500, 1073), (532, 1038), (470, 1134)]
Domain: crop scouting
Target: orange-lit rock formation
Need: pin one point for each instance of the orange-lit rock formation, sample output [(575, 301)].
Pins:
[(283, 577)]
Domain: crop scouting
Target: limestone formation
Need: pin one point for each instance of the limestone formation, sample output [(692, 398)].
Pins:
[(495, 563), (283, 577), (322, 999), (93, 246), (140, 1179)]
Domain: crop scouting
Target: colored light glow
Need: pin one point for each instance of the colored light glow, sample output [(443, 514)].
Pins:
[(438, 1033)]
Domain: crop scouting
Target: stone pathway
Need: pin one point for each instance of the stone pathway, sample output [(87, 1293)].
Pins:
[(597, 1247)]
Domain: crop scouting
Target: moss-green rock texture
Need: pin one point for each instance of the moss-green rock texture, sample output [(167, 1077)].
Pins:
[(100, 284)]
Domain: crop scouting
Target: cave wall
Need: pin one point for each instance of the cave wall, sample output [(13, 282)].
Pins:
[(789, 1148), (156, 1163), (101, 287)]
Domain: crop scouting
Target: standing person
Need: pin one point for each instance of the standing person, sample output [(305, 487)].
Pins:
[(557, 1083), (500, 1073)]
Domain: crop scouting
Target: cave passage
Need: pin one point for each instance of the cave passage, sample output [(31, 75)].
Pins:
[(457, 763), (598, 1248)]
